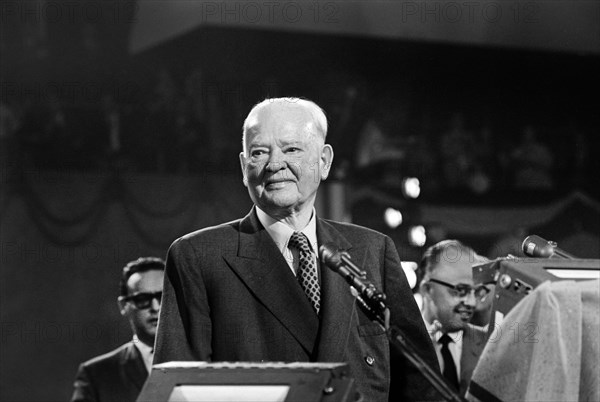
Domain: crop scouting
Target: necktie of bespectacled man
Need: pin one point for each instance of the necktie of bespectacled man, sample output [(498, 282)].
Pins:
[(307, 270), (449, 365)]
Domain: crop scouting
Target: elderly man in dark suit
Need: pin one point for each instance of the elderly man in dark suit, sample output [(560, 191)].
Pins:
[(449, 299), (254, 289), (118, 376)]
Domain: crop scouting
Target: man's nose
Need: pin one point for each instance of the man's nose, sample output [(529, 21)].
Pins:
[(276, 161), (155, 304), (469, 299)]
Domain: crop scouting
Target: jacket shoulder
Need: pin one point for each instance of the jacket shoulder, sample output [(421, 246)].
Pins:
[(353, 230), (108, 358), (220, 236), (358, 234), (223, 229), (476, 333)]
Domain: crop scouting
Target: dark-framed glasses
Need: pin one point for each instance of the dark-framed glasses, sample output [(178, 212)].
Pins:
[(142, 300), (463, 290)]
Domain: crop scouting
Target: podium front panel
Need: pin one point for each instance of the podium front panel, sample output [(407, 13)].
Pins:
[(268, 382)]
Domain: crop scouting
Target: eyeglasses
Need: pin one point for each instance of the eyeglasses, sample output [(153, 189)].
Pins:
[(462, 289), (142, 300)]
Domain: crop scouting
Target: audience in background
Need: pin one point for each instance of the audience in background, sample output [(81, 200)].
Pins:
[(175, 124), (456, 150), (532, 161)]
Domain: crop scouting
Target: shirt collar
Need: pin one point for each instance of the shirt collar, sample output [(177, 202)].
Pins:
[(145, 350), (281, 232), (435, 331)]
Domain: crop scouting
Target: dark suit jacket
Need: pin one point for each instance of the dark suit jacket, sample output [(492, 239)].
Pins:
[(474, 339), (229, 295), (117, 376)]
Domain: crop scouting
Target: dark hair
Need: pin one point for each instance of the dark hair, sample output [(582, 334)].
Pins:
[(142, 264), (434, 254)]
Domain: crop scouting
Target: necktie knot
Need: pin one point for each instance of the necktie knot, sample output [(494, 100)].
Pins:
[(445, 340), (299, 241)]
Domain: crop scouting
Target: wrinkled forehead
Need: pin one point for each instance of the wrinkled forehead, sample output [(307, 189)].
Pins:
[(281, 117)]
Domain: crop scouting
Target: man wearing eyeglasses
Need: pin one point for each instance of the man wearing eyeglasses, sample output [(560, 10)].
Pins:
[(449, 300), (119, 375)]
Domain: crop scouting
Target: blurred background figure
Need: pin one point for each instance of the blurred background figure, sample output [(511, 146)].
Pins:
[(449, 302), (533, 161), (482, 314), (456, 150), (120, 374)]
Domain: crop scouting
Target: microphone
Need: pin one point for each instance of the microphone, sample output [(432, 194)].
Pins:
[(535, 246), (340, 262)]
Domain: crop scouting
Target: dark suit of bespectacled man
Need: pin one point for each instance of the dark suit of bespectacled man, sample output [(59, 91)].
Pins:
[(118, 376), (237, 291)]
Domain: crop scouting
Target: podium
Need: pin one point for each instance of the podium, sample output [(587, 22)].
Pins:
[(515, 278), (246, 382), (545, 342)]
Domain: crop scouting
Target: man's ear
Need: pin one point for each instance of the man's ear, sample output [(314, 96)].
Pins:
[(243, 167), (326, 160), (122, 309), (424, 288)]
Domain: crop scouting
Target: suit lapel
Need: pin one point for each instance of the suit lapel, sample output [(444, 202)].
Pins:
[(133, 365), (262, 268), (337, 313), (472, 345)]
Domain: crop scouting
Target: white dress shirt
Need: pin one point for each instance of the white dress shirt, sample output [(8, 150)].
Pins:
[(281, 233), (146, 351), (455, 347)]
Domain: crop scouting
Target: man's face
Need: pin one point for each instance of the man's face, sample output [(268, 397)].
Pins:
[(485, 304), (452, 311), (286, 159), (143, 321)]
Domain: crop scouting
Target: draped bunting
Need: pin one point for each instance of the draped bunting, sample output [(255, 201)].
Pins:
[(66, 236)]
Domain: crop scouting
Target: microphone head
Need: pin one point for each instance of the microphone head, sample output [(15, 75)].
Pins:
[(535, 246), (330, 255)]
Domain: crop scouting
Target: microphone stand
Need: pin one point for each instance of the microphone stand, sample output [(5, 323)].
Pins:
[(372, 302)]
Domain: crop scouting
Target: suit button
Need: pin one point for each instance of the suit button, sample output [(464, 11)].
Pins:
[(370, 360)]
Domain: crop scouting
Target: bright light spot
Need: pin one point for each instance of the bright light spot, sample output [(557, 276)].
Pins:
[(419, 300), (393, 217), (409, 268), (417, 236), (411, 187)]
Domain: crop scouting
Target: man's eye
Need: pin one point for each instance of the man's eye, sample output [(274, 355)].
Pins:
[(257, 152), (292, 150)]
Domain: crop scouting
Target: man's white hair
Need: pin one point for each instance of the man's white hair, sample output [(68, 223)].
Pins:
[(318, 115)]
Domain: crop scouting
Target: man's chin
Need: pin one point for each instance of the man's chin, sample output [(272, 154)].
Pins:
[(278, 201)]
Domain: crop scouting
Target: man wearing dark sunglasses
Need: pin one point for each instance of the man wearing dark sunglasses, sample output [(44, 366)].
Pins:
[(119, 375), (449, 300)]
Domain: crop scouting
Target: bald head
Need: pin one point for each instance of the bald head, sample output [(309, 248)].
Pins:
[(295, 110)]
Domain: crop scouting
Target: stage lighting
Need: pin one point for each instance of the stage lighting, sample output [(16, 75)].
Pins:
[(411, 187), (409, 268), (417, 236), (392, 217)]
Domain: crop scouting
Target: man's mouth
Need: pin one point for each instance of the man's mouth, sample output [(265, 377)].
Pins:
[(465, 315), (277, 184)]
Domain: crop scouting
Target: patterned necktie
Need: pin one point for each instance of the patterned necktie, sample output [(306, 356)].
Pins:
[(449, 366), (307, 270)]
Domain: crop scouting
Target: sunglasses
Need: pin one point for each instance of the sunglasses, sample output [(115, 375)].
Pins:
[(142, 300), (462, 290)]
